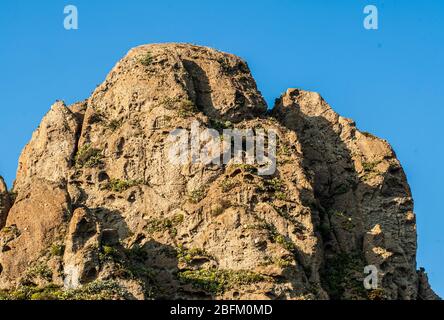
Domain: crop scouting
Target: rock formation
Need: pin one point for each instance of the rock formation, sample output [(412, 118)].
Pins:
[(101, 213), (5, 202)]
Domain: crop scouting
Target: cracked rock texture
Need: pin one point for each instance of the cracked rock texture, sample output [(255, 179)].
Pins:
[(96, 200), (5, 202)]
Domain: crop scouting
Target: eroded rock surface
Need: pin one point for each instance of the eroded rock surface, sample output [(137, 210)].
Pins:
[(81, 257), (5, 202), (99, 203), (365, 204)]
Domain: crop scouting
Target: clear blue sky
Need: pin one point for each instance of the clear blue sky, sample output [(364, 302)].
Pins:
[(390, 81)]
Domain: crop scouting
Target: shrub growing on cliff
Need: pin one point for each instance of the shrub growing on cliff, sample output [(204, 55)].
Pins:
[(217, 281), (164, 224), (188, 255), (284, 242), (341, 274), (147, 59), (115, 124), (108, 253), (57, 250), (273, 185), (118, 185), (88, 157), (39, 271), (197, 195), (12, 196), (186, 108), (220, 125), (97, 290), (227, 184)]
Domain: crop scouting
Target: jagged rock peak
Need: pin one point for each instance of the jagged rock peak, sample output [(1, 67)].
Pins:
[(217, 83), (99, 205), (356, 175)]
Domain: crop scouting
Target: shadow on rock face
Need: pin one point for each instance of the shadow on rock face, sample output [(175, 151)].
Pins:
[(350, 203), (338, 201), (100, 247), (202, 89), (237, 109), (5, 202)]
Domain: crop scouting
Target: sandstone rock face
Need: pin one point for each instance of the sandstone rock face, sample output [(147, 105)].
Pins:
[(425, 292), (363, 195), (49, 154), (5, 202), (98, 199), (35, 223), (81, 259)]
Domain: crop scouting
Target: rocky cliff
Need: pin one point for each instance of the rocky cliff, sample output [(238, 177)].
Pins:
[(99, 212)]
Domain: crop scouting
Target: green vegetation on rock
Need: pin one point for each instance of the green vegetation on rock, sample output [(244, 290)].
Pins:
[(217, 281), (97, 290), (164, 224), (197, 195), (118, 185), (39, 271), (147, 59), (188, 255), (115, 124), (88, 157), (184, 107), (57, 249), (343, 273)]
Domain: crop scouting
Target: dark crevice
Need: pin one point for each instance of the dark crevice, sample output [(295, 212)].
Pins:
[(6, 203), (80, 118), (202, 89)]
